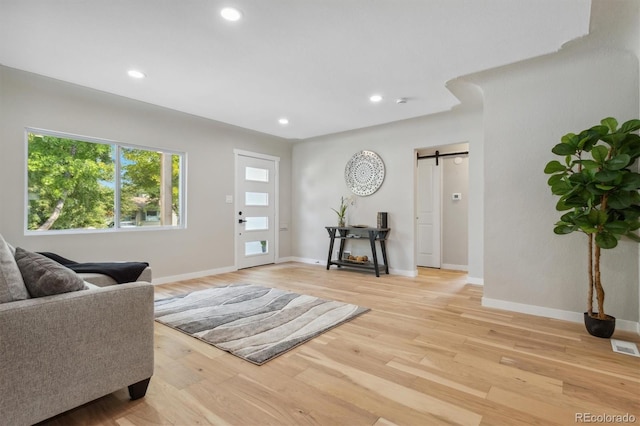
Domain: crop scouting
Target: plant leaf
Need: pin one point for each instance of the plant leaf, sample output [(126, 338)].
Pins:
[(632, 236), (630, 182), (579, 178), (597, 217), (618, 227), (554, 167), (630, 126), (564, 149), (570, 139), (611, 123), (606, 176), (561, 206), (606, 240), (564, 229), (568, 218), (605, 187), (561, 187), (587, 164), (620, 200), (556, 178), (600, 153), (614, 139), (618, 162)]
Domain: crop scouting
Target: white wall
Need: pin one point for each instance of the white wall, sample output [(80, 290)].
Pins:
[(318, 183), (455, 213), (207, 244), (527, 108)]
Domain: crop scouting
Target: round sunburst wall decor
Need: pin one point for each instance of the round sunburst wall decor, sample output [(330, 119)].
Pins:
[(364, 173)]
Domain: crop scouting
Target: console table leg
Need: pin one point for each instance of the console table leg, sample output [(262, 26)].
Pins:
[(372, 240), (332, 236), (383, 247)]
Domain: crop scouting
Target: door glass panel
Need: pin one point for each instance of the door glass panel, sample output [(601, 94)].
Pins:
[(255, 247), (256, 223), (256, 175), (256, 199)]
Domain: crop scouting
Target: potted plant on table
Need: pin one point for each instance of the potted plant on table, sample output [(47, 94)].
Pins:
[(342, 211), (598, 188)]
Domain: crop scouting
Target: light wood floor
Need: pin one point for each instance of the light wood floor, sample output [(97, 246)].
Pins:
[(427, 353)]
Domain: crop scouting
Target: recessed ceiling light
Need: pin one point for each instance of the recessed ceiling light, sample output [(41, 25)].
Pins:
[(136, 74), (283, 121), (231, 14), (375, 98)]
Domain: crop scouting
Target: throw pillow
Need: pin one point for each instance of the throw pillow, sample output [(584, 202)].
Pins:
[(44, 277), (11, 283)]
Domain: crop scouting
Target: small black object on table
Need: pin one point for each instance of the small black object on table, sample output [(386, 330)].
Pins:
[(344, 233)]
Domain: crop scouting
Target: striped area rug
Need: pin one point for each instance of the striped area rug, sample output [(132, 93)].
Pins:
[(252, 322)]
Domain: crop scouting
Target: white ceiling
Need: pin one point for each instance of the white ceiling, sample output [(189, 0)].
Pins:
[(315, 62)]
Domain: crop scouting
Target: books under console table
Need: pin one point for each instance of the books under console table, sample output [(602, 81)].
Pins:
[(359, 233)]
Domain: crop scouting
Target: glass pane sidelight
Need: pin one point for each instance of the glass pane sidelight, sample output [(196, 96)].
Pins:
[(256, 223), (256, 198), (256, 175), (255, 247)]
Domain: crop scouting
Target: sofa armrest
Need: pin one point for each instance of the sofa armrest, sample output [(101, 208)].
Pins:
[(59, 352)]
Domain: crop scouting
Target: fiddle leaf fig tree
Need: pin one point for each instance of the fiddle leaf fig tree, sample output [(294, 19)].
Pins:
[(597, 182)]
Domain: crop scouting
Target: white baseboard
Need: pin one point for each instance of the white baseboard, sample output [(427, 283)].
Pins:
[(404, 272), (453, 267), (200, 274), (192, 275), (475, 280), (560, 314), (309, 261)]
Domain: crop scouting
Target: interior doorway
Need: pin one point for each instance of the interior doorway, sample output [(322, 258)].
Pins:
[(442, 214)]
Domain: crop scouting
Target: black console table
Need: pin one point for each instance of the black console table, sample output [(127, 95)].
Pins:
[(372, 235)]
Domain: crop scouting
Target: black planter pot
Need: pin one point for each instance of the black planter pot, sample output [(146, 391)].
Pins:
[(600, 328)]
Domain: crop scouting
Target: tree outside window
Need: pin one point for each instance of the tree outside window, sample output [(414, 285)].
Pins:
[(73, 185), (150, 187)]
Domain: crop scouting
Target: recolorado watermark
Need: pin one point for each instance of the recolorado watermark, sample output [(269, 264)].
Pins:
[(605, 418)]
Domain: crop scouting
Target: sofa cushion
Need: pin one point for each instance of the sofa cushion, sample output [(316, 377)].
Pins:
[(11, 283), (91, 286), (44, 277)]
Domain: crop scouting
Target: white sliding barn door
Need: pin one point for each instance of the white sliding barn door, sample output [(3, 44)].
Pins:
[(429, 177)]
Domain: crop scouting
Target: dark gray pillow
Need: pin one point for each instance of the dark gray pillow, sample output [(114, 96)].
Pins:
[(44, 277)]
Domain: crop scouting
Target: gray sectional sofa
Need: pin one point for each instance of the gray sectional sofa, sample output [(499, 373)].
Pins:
[(59, 351)]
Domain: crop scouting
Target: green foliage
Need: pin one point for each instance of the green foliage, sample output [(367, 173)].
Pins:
[(600, 193), (342, 211), (71, 183), (142, 179), (597, 185), (66, 183)]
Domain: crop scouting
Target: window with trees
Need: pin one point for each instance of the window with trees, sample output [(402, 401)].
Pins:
[(79, 183)]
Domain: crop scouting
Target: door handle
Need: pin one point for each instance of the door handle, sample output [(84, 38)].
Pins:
[(241, 221)]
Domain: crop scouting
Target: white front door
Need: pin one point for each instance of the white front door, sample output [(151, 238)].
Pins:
[(428, 214), (255, 216)]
